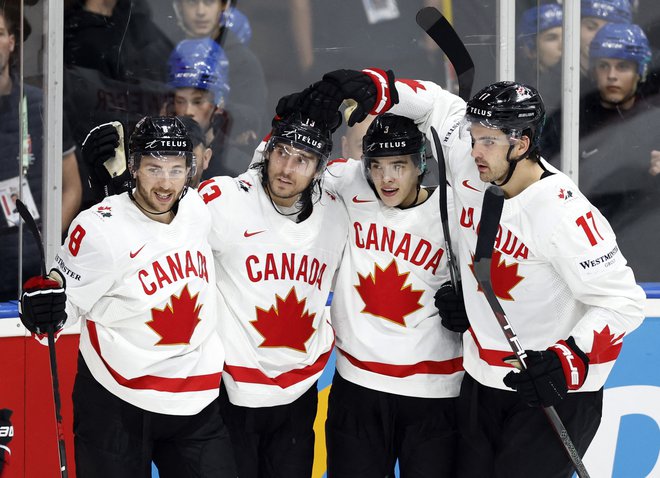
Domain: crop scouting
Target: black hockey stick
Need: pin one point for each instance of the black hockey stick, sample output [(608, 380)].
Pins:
[(488, 225), (443, 34), (61, 450), (444, 215)]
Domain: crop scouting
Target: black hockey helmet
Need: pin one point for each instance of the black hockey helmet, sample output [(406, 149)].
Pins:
[(394, 135), (160, 136), (302, 133), (514, 108)]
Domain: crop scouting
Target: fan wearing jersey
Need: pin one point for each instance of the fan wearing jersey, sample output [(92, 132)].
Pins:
[(139, 275), (277, 239), (398, 369), (557, 271)]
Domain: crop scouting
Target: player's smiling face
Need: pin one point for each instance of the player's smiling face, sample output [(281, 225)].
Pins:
[(290, 172), (395, 179), (160, 181)]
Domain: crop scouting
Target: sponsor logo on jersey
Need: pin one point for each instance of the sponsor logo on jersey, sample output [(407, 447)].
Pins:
[(286, 266), (469, 186), (133, 254), (250, 234), (171, 269), (506, 241), (65, 270), (418, 252), (244, 185), (451, 130), (356, 200), (605, 260)]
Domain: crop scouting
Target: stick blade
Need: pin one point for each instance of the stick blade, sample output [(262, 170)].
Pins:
[(428, 16), (491, 211)]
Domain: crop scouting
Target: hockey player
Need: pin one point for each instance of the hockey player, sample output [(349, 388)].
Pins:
[(277, 239), (558, 272), (560, 276), (397, 368), (140, 277)]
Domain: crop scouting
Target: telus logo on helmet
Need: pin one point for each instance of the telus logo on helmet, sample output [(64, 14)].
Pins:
[(303, 139), (166, 143), (479, 112)]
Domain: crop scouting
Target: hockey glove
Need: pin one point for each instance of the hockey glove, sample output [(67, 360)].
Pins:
[(372, 89), (320, 102), (103, 153), (452, 308), (6, 434), (43, 303), (550, 374)]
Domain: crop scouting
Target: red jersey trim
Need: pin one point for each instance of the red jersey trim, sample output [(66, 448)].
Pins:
[(197, 383), (444, 367), (283, 380)]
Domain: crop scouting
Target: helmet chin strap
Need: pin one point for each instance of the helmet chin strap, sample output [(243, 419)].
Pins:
[(512, 166)]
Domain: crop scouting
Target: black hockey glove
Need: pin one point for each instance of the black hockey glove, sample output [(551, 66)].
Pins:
[(320, 102), (43, 304), (452, 308), (6, 434), (550, 374), (103, 153), (372, 89)]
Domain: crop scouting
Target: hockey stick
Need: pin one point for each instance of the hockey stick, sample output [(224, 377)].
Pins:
[(443, 34), (32, 226), (488, 226), (444, 215)]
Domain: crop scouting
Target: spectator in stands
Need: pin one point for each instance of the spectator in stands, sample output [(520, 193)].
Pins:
[(114, 66), (540, 40), (595, 14), (199, 76), (246, 105), (21, 172)]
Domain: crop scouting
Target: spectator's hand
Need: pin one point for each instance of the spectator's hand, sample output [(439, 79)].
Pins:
[(452, 308), (6, 434), (654, 168), (372, 89), (103, 152), (550, 374), (43, 303)]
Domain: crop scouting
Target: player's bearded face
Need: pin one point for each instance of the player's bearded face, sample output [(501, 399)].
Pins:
[(160, 181), (489, 150), (290, 172), (395, 179)]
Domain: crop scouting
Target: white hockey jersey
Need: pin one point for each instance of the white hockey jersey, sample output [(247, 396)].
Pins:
[(274, 278), (556, 269), (145, 292), (389, 335)]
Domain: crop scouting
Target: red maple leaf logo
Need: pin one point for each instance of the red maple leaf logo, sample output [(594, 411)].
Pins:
[(176, 323), (606, 346), (503, 277), (413, 84), (385, 294), (286, 324)]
